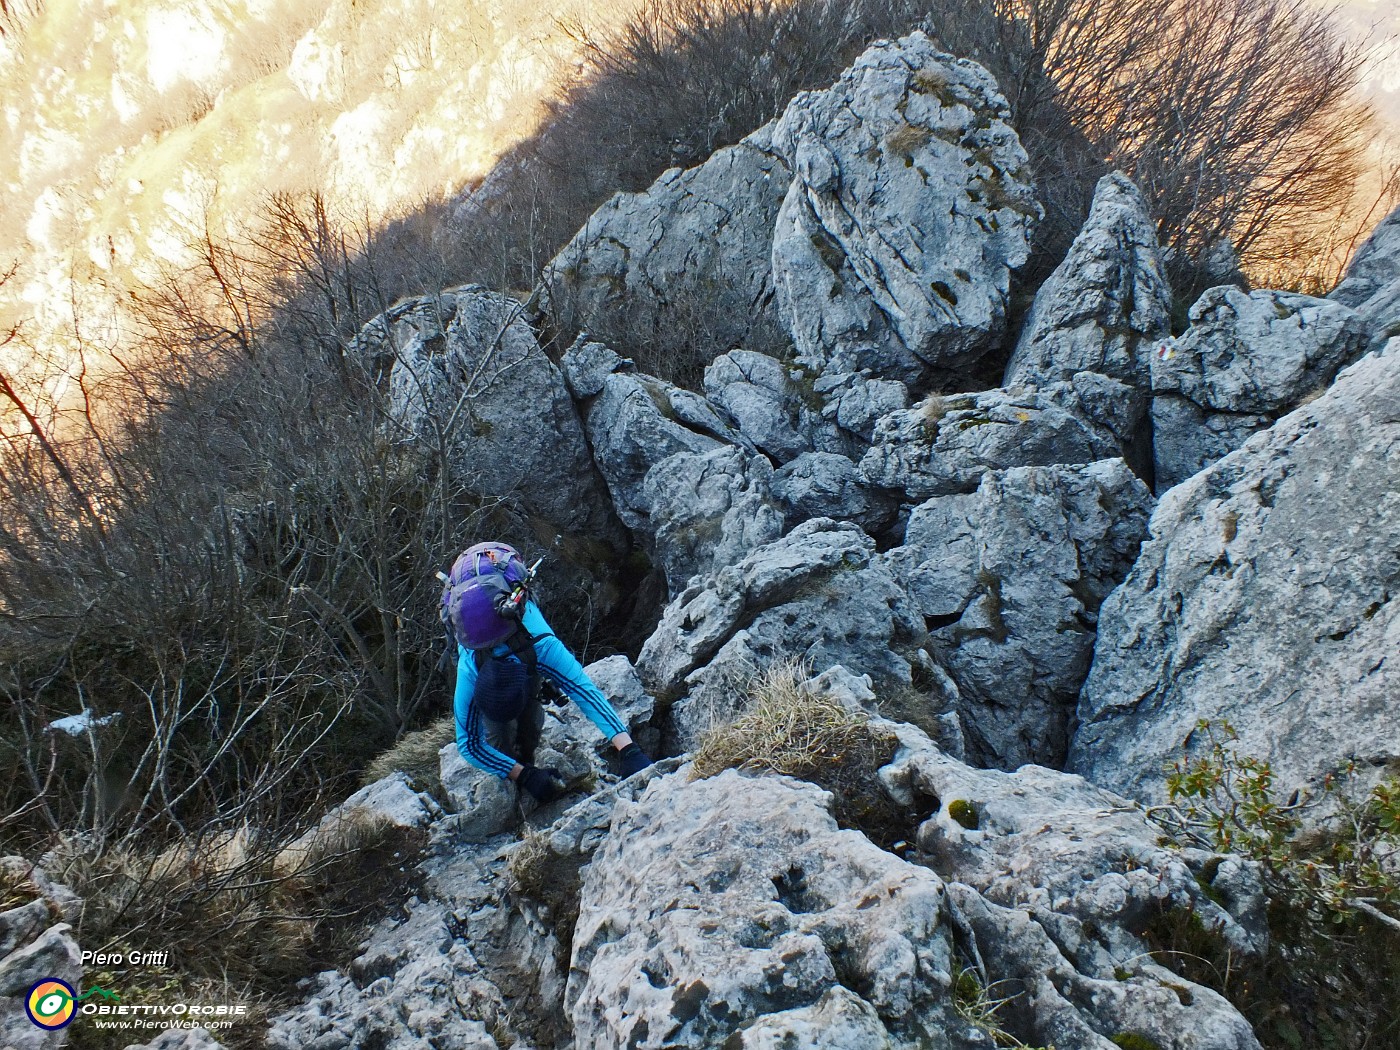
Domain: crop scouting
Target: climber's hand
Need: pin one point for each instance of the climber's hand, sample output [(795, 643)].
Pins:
[(634, 759), (544, 785)]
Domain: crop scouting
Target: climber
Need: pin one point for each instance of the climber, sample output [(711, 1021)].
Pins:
[(506, 652)]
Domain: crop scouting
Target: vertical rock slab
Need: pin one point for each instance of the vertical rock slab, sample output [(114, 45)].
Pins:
[(1371, 286), (692, 251), (468, 372), (911, 202), (1106, 304), (1009, 582), (1266, 595), (709, 510)]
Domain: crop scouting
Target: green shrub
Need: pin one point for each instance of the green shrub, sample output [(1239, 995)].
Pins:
[(1329, 975)]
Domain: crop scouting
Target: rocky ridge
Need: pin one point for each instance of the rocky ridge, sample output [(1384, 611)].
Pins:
[(992, 563)]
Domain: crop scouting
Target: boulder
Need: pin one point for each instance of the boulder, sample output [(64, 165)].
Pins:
[(587, 364), (1055, 882), (825, 485), (855, 402), (1106, 305), (691, 252), (709, 510), (52, 953), (817, 594), (1265, 596), (732, 911), (773, 405), (385, 804), (715, 903), (633, 425), (946, 444), (1009, 581), (910, 204), (1371, 285), (467, 370), (1245, 360)]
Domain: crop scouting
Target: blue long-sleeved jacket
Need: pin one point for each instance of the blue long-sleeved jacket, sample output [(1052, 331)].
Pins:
[(556, 663)]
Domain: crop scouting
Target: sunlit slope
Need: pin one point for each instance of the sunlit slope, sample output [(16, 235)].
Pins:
[(129, 126)]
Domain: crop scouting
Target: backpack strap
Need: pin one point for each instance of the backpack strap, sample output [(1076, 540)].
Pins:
[(522, 647)]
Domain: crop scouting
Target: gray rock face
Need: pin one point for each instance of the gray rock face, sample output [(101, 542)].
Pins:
[(633, 425), (586, 366), (709, 510), (695, 245), (416, 983), (1055, 881), (34, 947), (732, 911), (855, 402), (1187, 438), (1105, 305), (825, 485), (472, 958), (945, 445), (714, 903), (910, 204), (467, 367), (1266, 595), (769, 404), (387, 803), (1246, 359), (817, 594), (1009, 581), (1372, 283)]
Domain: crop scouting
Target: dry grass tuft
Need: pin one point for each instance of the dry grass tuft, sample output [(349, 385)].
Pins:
[(788, 731), (783, 730), (416, 754)]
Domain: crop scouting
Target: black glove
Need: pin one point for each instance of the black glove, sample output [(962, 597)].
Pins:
[(634, 759), (545, 785)]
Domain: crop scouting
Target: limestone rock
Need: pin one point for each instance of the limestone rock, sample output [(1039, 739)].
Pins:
[(52, 953), (945, 445), (709, 510), (484, 805), (1266, 595), (586, 366), (1106, 304), (387, 803), (910, 204), (1247, 358), (817, 593), (855, 402), (637, 421), (1051, 842), (825, 485), (467, 368), (769, 404), (1009, 582), (695, 244), (418, 982), (1055, 880), (712, 904), (1372, 283)]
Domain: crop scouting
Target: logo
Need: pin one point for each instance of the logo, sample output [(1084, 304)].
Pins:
[(50, 1003)]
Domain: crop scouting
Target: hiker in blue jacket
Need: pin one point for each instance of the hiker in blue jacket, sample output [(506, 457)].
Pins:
[(506, 653)]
